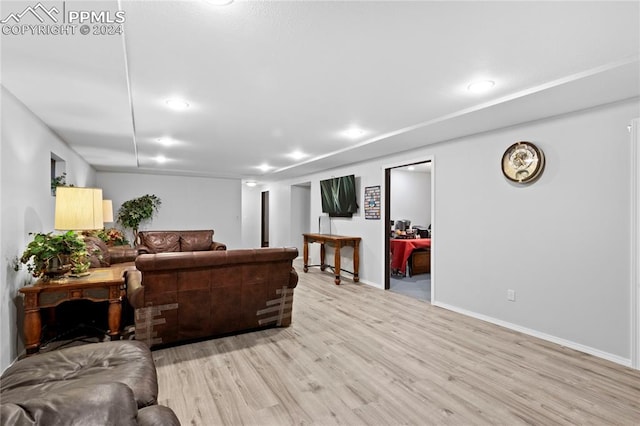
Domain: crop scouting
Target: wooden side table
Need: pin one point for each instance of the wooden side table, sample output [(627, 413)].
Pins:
[(103, 284), (338, 241)]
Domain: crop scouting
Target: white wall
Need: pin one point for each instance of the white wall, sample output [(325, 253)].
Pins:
[(187, 202), (411, 196), (300, 210), (562, 243), (251, 223), (27, 205)]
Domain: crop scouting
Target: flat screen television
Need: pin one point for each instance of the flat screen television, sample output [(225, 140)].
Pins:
[(339, 196)]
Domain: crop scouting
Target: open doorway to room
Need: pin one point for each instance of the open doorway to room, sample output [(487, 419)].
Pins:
[(408, 218)]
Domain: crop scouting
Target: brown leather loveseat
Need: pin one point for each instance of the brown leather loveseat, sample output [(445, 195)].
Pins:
[(172, 241), (109, 383), (191, 295)]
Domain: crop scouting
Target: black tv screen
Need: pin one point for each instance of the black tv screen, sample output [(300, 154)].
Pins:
[(339, 196)]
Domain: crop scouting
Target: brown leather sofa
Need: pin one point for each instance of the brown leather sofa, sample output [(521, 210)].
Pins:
[(109, 383), (103, 256), (173, 241), (191, 295)]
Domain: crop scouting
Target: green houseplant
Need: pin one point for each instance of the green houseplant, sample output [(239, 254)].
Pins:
[(133, 212), (59, 181), (49, 255)]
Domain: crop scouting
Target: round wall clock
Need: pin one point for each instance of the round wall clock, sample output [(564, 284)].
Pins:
[(522, 162)]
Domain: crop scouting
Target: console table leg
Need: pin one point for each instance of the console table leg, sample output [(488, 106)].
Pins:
[(356, 261), (323, 265), (336, 262), (115, 312), (305, 251), (32, 330)]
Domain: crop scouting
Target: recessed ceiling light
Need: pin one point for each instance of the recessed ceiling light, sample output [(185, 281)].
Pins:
[(265, 167), (481, 86), (177, 104), (353, 133), (160, 159), (411, 168), (219, 2), (251, 183), (166, 141), (297, 155)]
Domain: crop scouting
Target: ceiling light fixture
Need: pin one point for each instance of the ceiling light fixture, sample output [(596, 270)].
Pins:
[(297, 155), (160, 159), (353, 133), (411, 168), (265, 167), (166, 141), (177, 104), (220, 2), (481, 86), (251, 183)]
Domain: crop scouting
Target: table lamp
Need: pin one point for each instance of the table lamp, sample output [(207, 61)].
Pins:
[(107, 211), (78, 209)]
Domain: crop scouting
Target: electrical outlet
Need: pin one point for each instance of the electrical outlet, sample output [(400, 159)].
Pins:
[(511, 295)]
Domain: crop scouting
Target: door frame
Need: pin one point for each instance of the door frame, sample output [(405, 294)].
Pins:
[(386, 202)]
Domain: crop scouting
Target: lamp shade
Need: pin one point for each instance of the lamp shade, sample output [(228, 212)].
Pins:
[(78, 209), (107, 211)]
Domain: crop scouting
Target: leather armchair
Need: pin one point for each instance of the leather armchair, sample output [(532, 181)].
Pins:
[(109, 383)]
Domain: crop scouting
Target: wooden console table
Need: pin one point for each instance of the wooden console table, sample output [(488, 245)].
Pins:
[(338, 241), (103, 284)]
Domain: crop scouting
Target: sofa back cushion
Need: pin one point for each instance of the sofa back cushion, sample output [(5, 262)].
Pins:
[(160, 241), (196, 240)]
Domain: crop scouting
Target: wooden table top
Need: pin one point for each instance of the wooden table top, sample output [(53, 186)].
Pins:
[(331, 237), (110, 275)]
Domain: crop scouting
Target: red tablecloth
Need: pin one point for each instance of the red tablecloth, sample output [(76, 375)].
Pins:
[(401, 250)]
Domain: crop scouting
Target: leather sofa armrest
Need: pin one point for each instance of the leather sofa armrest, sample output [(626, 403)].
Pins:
[(143, 249), (293, 278), (122, 254), (218, 246), (157, 415), (135, 290)]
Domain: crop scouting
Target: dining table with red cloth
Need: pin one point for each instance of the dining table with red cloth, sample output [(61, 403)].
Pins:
[(401, 249)]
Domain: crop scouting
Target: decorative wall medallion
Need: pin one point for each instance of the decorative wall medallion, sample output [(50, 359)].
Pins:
[(522, 162)]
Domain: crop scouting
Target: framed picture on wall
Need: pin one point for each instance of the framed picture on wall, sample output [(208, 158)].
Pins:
[(372, 202)]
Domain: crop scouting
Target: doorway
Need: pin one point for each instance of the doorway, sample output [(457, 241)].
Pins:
[(264, 223), (408, 210)]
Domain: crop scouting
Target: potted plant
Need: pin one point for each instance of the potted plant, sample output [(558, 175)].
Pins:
[(111, 236), (49, 255), (59, 181), (134, 212)]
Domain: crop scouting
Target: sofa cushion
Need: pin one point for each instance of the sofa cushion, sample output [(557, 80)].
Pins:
[(160, 242), (196, 240), (99, 256)]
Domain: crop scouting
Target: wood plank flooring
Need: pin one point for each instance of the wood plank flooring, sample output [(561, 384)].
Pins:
[(356, 355)]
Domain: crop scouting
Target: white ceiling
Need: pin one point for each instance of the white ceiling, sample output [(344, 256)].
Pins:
[(264, 79)]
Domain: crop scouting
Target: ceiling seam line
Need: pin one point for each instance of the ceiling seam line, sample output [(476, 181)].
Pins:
[(129, 93)]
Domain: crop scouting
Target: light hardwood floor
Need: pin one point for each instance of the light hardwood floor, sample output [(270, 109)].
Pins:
[(358, 355)]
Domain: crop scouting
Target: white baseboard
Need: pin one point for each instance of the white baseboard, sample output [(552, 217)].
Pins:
[(548, 337)]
